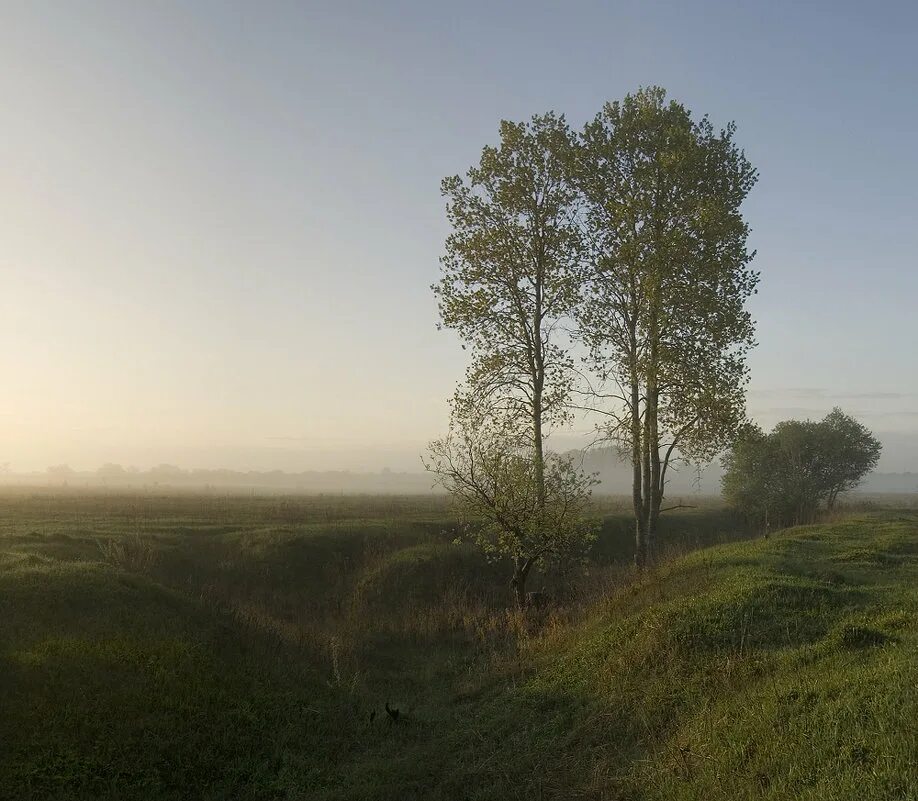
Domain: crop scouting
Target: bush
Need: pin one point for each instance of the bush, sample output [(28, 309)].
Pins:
[(785, 477)]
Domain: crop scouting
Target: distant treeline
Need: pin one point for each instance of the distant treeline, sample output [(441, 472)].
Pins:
[(612, 472)]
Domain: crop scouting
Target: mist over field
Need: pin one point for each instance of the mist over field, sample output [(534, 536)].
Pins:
[(612, 473)]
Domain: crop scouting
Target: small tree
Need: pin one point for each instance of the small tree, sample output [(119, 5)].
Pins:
[(663, 311), (851, 452), (510, 504), (784, 477), (763, 476)]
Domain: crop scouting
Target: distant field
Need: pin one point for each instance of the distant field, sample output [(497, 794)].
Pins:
[(201, 646)]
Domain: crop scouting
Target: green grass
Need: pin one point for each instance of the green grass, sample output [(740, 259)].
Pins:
[(166, 647)]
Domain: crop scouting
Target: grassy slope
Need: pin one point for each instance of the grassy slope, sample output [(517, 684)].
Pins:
[(778, 669)]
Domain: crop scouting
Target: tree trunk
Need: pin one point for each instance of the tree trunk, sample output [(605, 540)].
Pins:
[(538, 386), (637, 494), (538, 447), (646, 491), (654, 479), (521, 568), (656, 474), (640, 541)]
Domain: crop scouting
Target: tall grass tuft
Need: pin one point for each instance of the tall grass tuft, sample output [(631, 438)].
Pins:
[(132, 552)]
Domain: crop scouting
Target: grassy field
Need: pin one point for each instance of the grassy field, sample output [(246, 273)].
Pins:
[(192, 646)]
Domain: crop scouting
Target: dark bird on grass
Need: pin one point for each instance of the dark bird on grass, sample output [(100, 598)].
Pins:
[(392, 713), (372, 715)]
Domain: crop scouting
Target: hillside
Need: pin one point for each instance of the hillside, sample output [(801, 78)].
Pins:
[(176, 648)]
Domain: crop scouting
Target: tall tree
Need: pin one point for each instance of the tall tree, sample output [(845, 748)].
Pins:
[(510, 277), (663, 311)]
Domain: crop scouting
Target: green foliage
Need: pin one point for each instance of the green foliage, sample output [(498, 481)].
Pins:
[(508, 506), (663, 304), (509, 279), (850, 452), (783, 477), (510, 272)]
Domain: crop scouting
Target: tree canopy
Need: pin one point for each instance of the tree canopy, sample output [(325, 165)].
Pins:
[(785, 477)]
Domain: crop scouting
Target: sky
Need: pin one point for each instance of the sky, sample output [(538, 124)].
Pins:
[(219, 221)]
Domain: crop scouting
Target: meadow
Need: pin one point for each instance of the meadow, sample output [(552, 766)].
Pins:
[(167, 646)]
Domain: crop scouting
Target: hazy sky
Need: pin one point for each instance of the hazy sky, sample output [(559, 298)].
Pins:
[(219, 221)]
